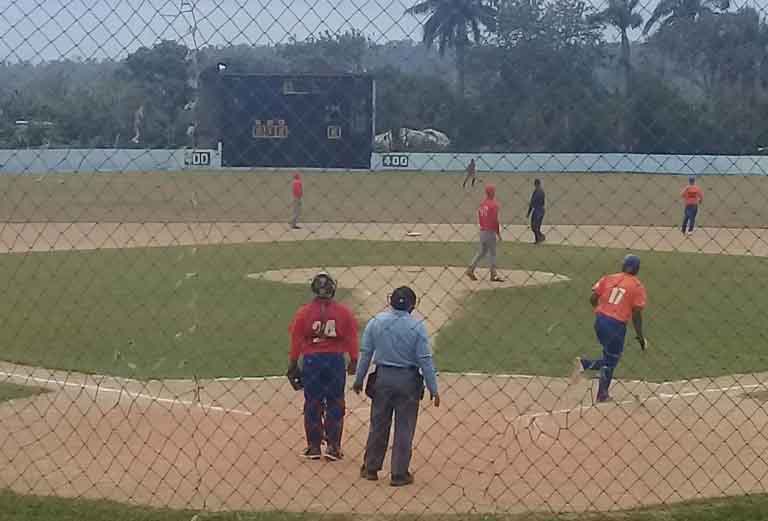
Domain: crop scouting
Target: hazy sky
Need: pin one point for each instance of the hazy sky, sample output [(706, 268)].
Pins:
[(52, 29)]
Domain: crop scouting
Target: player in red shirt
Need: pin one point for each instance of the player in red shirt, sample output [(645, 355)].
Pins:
[(692, 197), (616, 299), (490, 230), (322, 332), (297, 188)]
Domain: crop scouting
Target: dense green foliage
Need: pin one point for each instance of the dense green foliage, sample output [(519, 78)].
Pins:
[(503, 75)]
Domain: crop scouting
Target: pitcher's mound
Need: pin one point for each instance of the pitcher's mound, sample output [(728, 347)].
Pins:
[(439, 288)]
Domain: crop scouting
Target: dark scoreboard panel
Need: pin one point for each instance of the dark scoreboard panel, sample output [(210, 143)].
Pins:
[(297, 121)]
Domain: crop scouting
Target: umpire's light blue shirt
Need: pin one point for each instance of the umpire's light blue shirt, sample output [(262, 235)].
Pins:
[(397, 339)]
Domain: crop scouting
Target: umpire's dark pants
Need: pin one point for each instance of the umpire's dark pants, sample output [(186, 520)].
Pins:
[(537, 219), (398, 392)]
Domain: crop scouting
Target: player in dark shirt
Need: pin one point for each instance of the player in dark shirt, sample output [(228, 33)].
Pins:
[(471, 173), (536, 211)]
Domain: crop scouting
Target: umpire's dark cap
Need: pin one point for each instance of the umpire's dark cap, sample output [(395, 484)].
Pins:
[(403, 299)]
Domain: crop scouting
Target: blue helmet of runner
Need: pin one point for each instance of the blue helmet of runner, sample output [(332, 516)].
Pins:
[(631, 264)]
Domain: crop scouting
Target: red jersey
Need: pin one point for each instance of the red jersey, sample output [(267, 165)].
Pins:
[(323, 326), (488, 216), (692, 195), (298, 188), (618, 295)]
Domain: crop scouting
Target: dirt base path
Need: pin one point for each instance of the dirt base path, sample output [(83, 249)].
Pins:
[(499, 443), (25, 237)]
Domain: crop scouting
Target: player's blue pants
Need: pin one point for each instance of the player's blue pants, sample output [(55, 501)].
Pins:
[(324, 376), (610, 333), (689, 219)]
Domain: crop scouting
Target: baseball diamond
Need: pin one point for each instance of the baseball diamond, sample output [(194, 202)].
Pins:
[(342, 260), (516, 433)]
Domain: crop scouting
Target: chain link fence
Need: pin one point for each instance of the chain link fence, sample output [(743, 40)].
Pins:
[(174, 175)]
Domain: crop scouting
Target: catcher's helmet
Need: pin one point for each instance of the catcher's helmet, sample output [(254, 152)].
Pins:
[(323, 286), (631, 264)]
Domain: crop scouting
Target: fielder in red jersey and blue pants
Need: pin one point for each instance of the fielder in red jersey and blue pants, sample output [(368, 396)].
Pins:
[(322, 332)]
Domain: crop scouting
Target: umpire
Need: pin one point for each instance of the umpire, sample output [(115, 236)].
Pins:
[(398, 344), (536, 211)]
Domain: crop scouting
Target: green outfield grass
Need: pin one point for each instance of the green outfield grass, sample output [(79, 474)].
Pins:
[(14, 507), (335, 196), (9, 391), (169, 312)]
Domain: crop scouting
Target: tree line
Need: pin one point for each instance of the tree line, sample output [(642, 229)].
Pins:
[(495, 75)]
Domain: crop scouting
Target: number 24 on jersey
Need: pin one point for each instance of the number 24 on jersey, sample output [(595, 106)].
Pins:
[(322, 330)]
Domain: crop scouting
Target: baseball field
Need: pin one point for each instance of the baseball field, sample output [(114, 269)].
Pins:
[(154, 310)]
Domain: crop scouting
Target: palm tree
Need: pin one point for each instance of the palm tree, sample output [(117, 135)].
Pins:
[(451, 23), (667, 12), (621, 14)]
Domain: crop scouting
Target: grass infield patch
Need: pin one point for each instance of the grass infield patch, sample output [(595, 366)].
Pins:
[(15, 507), (178, 312), (9, 391)]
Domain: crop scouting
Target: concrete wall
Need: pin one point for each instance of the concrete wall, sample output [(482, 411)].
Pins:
[(41, 161), (575, 163)]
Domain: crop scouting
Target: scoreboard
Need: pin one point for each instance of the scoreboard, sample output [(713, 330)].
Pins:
[(319, 121)]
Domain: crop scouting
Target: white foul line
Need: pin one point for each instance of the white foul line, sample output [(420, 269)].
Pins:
[(717, 390), (122, 391), (189, 403), (660, 396)]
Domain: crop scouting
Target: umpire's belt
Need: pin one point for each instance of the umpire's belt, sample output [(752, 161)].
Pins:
[(398, 368)]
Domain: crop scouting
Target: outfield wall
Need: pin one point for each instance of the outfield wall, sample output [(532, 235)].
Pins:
[(41, 161), (574, 163)]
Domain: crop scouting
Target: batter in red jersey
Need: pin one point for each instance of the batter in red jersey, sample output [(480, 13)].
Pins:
[(322, 332), (490, 231), (616, 299)]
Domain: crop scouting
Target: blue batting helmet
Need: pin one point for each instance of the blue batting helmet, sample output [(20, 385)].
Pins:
[(631, 264)]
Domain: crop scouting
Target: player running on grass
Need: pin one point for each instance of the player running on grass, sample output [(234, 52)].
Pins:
[(615, 298)]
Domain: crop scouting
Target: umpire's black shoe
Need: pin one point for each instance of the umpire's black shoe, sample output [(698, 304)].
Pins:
[(370, 475), (401, 481)]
